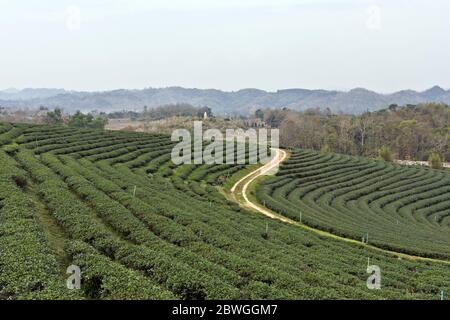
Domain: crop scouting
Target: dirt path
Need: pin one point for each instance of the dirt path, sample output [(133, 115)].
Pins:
[(239, 192), (240, 187), (419, 163)]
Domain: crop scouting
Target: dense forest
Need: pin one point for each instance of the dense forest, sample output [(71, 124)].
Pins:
[(411, 132)]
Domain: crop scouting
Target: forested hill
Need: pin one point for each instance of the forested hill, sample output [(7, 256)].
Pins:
[(244, 101), (410, 133)]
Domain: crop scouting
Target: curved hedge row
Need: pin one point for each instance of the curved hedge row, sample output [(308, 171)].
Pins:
[(401, 208), (141, 227)]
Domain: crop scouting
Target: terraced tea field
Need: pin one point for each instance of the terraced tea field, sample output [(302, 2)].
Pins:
[(404, 209), (140, 227)]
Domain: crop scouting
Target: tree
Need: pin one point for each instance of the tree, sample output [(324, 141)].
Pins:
[(54, 117), (364, 123), (325, 148), (78, 120), (99, 123), (201, 112), (435, 161), (259, 114), (274, 118), (408, 138), (81, 120), (393, 107), (385, 153)]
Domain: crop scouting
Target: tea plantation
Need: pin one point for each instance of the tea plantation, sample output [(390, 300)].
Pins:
[(400, 208), (140, 227)]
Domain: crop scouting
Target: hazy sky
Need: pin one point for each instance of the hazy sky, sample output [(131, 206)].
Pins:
[(383, 45)]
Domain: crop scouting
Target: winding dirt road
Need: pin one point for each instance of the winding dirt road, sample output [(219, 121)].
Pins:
[(240, 189)]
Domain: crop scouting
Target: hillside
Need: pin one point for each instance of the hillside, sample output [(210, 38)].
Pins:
[(140, 227), (244, 101), (400, 208)]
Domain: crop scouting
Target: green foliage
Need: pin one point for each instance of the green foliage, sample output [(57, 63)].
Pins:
[(80, 120), (28, 267), (325, 148), (54, 117), (140, 227), (435, 161), (403, 209), (9, 134), (411, 132), (259, 114), (385, 153)]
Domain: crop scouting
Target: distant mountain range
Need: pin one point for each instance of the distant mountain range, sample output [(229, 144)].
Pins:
[(244, 101), (29, 93)]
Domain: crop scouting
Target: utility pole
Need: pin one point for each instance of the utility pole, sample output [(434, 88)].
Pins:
[(134, 191)]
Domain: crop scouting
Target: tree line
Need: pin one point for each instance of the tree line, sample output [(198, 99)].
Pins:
[(177, 109), (413, 132), (78, 120)]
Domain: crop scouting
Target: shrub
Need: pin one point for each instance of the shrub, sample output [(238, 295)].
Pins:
[(325, 148), (20, 181), (435, 161), (385, 153), (178, 237)]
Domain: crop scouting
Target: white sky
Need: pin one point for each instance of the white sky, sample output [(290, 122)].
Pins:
[(383, 45)]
